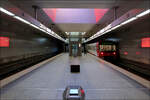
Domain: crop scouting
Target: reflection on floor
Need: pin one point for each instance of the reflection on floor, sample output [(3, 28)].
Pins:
[(99, 81)]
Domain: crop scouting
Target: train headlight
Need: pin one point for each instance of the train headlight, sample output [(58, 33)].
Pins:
[(102, 53), (114, 53)]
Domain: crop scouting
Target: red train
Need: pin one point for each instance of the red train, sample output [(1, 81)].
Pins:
[(104, 49)]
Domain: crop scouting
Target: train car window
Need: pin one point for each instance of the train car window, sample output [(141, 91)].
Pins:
[(107, 48)]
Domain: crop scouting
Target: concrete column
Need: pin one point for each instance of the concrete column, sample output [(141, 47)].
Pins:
[(70, 46), (80, 45)]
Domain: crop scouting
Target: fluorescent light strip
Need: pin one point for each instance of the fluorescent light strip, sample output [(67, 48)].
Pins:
[(34, 26), (144, 13), (125, 22), (6, 12), (128, 21), (21, 19), (108, 30), (42, 30), (48, 31), (115, 27)]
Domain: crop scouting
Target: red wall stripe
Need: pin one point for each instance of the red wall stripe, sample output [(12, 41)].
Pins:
[(145, 42), (4, 41)]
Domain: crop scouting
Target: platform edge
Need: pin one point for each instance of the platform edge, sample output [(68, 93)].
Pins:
[(140, 80), (16, 76)]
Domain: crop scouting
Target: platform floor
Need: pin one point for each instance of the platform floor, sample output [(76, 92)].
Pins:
[(99, 81)]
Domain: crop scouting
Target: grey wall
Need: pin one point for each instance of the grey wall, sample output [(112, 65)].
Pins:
[(130, 40), (25, 41)]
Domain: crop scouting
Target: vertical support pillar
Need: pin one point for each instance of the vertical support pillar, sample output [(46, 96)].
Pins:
[(80, 45), (35, 11), (70, 46), (115, 12)]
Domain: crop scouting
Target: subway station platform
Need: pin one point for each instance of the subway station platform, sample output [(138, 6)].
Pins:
[(98, 79)]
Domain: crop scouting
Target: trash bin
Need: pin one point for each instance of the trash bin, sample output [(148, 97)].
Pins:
[(74, 68)]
